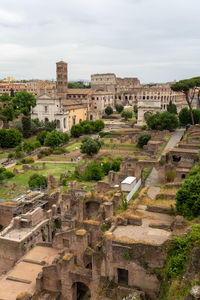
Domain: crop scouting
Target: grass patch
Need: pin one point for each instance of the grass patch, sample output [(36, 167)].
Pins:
[(73, 147), (22, 179), (55, 158), (3, 154)]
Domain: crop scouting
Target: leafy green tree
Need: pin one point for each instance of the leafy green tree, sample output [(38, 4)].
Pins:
[(119, 108), (189, 87), (109, 110), (162, 121), (98, 125), (196, 114), (172, 108), (5, 97), (115, 166), (90, 146), (93, 171), (188, 195), (37, 181), (184, 116), (10, 138), (50, 125), (55, 138), (106, 166), (26, 126), (24, 101), (87, 128), (12, 93), (135, 109), (8, 112), (76, 130), (127, 114), (143, 139)]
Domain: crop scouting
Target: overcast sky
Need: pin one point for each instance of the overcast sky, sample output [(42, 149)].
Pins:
[(154, 40)]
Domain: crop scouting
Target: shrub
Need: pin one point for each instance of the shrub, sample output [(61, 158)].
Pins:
[(19, 154), (115, 166), (119, 108), (39, 156), (188, 195), (90, 146), (162, 121), (170, 175), (10, 138), (127, 114), (76, 130), (11, 155), (143, 127), (55, 138), (41, 136), (143, 139), (37, 181), (4, 174), (27, 160), (93, 171), (172, 108), (109, 110), (98, 125), (8, 174)]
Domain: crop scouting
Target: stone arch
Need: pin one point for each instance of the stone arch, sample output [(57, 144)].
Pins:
[(46, 120), (146, 114), (80, 291)]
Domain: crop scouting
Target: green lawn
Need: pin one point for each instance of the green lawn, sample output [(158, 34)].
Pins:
[(22, 179), (3, 154), (73, 147), (55, 158)]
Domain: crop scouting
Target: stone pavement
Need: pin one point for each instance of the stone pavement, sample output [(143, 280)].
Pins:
[(25, 273)]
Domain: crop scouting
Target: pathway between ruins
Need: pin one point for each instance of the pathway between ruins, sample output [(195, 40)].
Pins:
[(175, 138)]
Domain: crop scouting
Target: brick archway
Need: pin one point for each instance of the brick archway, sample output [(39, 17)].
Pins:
[(80, 291)]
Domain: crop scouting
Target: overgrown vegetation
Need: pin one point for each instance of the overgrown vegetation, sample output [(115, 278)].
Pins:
[(87, 127), (143, 139), (37, 181), (178, 256), (188, 195), (162, 120)]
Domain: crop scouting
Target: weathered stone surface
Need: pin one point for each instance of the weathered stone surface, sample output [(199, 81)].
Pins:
[(178, 223)]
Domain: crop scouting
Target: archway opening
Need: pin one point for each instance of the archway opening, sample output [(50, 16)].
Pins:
[(81, 291)]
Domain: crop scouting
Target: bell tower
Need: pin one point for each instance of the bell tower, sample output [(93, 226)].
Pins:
[(62, 78)]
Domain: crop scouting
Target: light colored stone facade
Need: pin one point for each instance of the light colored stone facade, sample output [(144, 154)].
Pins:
[(48, 109)]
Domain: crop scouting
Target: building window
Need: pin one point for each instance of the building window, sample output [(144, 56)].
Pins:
[(46, 109), (74, 120)]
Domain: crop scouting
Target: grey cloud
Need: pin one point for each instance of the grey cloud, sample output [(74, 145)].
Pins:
[(156, 40)]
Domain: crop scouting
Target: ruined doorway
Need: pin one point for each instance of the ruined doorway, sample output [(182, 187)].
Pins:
[(122, 276), (91, 209), (80, 291)]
